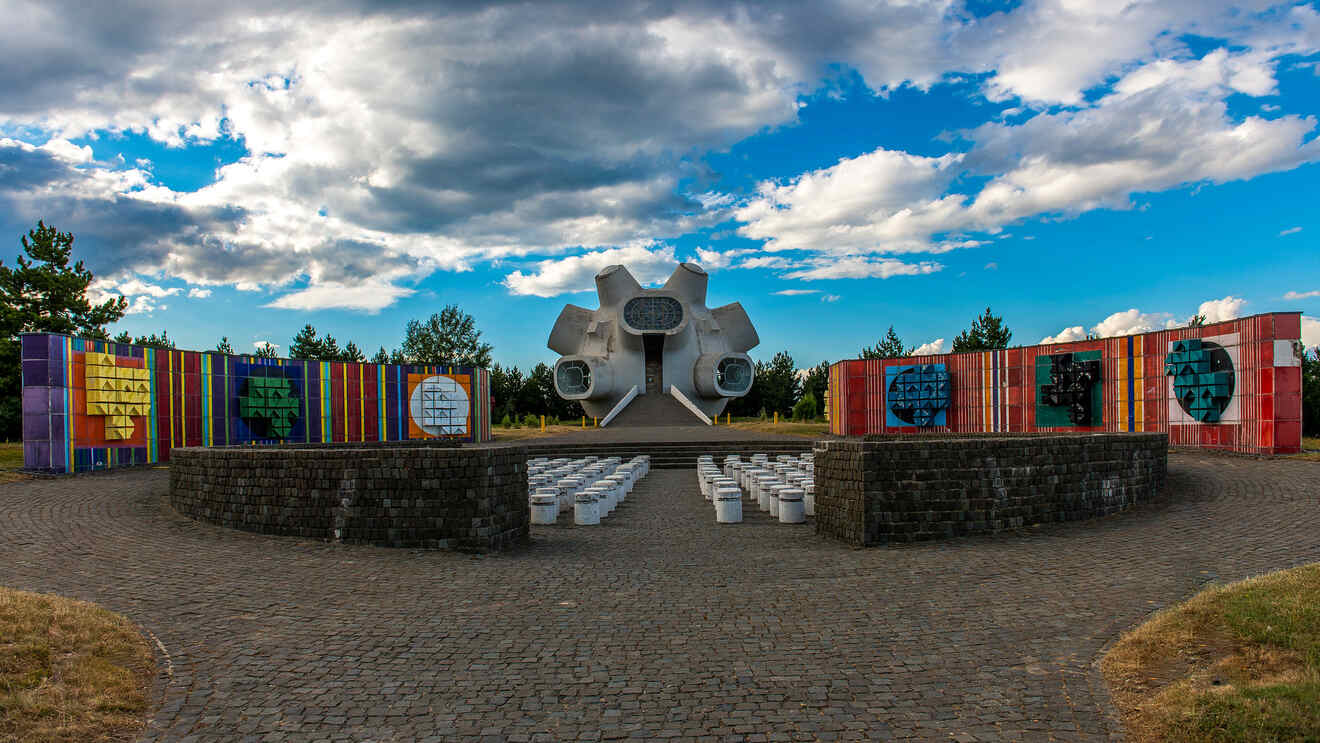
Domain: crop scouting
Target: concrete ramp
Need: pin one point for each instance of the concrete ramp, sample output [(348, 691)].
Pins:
[(654, 410)]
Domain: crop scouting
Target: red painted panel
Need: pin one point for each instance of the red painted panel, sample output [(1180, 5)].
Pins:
[(1287, 326), (337, 400), (1288, 393), (1288, 437)]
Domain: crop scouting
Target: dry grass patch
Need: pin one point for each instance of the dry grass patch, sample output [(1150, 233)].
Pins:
[(1234, 663), (1310, 449), (69, 671), (788, 428), (11, 461), (518, 434)]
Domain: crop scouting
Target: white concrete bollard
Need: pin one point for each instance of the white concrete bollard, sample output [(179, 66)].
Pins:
[(586, 509), (791, 510), (620, 487), (605, 493), (809, 498), (773, 491), (545, 508), (728, 505), (763, 484)]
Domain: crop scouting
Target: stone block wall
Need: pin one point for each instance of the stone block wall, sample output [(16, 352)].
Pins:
[(880, 491), (470, 497)]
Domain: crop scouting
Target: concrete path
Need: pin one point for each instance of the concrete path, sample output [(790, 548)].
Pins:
[(659, 624)]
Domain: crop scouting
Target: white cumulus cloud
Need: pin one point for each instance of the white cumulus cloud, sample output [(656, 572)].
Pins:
[(577, 273), (1219, 310), (933, 347), (1302, 295)]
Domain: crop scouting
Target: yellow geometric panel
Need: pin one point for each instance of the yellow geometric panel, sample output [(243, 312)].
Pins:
[(116, 393)]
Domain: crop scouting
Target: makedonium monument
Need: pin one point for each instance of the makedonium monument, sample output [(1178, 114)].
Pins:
[(653, 342)]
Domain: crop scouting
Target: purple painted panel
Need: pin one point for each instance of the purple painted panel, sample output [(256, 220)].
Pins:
[(57, 462), (36, 427), (36, 347), (36, 373), (36, 400), (36, 455)]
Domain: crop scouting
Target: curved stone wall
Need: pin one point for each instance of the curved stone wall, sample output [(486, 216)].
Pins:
[(898, 489), (471, 497)]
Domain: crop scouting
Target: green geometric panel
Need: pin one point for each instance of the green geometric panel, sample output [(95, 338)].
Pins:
[(1058, 415), (269, 405)]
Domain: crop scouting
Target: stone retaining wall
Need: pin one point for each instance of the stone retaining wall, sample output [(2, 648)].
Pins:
[(902, 490), (473, 497)]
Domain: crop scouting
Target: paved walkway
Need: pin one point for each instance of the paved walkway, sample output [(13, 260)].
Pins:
[(657, 624)]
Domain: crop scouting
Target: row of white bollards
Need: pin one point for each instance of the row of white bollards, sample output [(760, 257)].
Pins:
[(784, 488), (591, 487)]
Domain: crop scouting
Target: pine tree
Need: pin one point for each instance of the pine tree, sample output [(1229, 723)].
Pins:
[(150, 341), (889, 347), (306, 345), (42, 293), (988, 333), (224, 347)]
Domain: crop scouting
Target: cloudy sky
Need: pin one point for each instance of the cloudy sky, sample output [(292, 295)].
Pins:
[(837, 166)]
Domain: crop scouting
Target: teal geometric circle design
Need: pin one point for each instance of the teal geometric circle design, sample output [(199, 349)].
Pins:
[(1203, 378), (918, 395)]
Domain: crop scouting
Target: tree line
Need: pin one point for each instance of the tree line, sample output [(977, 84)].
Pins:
[(42, 292)]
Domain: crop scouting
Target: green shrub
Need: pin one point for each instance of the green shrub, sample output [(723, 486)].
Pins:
[(506, 422), (805, 409)]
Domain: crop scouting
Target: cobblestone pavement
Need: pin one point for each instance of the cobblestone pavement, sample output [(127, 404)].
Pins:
[(657, 624)]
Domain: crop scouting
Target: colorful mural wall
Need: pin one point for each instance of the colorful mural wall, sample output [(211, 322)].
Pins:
[(91, 404), (1234, 385)]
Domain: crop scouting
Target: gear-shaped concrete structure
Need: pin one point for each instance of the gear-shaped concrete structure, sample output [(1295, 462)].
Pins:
[(653, 342)]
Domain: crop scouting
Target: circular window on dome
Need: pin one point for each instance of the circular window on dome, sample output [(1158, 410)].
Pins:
[(653, 313), (573, 378), (734, 375)]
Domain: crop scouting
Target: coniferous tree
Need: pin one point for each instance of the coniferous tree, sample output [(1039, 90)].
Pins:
[(150, 341), (43, 293), (889, 347), (224, 347), (352, 353), (988, 333), (266, 351), (306, 345), (780, 385), (381, 357)]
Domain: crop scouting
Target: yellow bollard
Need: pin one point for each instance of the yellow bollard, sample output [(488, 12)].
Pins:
[(543, 424), (584, 421), (595, 422), (776, 417)]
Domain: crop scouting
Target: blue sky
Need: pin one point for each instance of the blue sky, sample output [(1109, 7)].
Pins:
[(242, 170)]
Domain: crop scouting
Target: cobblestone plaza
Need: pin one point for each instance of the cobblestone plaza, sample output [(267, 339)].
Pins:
[(658, 624)]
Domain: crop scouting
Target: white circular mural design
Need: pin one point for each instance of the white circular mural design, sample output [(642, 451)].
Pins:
[(439, 406)]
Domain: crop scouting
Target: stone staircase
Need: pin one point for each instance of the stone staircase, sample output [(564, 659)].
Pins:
[(673, 454)]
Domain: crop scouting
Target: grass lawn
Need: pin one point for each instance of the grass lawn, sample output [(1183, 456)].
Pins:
[(519, 434), (69, 671), (811, 430), (1310, 449), (11, 461), (1239, 662)]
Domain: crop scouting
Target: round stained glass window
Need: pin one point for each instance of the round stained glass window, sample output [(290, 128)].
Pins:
[(734, 375), (653, 313), (573, 378)]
